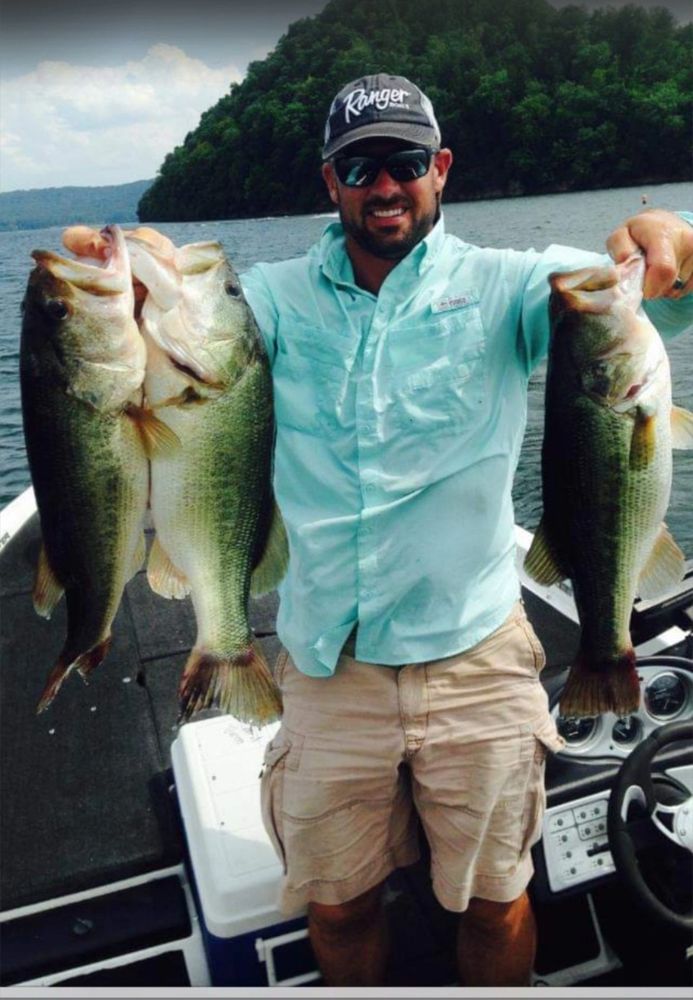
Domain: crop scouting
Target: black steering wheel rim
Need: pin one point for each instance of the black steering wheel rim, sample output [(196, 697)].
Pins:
[(636, 771)]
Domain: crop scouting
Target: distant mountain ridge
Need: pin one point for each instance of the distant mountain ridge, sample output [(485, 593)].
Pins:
[(63, 206)]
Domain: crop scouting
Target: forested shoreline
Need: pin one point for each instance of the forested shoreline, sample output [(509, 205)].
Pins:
[(56, 206), (530, 99)]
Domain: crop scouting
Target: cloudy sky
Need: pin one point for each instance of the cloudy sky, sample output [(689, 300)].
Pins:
[(98, 91)]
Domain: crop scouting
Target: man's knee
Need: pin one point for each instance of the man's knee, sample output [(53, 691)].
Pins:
[(349, 917), (489, 914)]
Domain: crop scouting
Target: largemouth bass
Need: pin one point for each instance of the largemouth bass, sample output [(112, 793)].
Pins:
[(208, 379), (606, 474), (82, 365)]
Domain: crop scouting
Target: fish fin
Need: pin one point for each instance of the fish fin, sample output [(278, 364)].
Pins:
[(164, 578), (241, 686), (55, 679), (47, 588), (138, 556), (158, 440), (274, 559), (541, 562), (643, 442), (664, 569), (681, 428), (84, 663), (93, 657), (610, 686), (188, 397)]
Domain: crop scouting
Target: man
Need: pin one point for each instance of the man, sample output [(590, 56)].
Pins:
[(411, 674)]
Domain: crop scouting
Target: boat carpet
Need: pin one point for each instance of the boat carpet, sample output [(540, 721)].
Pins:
[(85, 785)]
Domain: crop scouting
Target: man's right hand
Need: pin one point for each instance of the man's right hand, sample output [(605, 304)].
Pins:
[(86, 242)]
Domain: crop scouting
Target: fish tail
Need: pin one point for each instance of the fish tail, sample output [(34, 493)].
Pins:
[(240, 685), (608, 686), (625, 684), (84, 663)]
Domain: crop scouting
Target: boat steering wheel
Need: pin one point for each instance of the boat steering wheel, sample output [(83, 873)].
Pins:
[(635, 783)]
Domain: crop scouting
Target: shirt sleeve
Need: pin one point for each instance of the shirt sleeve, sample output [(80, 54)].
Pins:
[(261, 301), (671, 316), (534, 324)]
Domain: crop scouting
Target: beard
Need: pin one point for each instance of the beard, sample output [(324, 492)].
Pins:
[(389, 246)]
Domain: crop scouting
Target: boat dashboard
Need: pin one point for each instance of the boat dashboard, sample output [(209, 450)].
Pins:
[(666, 686), (574, 854)]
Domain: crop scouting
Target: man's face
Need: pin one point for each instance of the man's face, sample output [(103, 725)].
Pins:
[(388, 217)]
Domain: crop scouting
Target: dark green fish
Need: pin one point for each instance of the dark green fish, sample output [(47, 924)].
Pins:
[(208, 379), (82, 365), (606, 471)]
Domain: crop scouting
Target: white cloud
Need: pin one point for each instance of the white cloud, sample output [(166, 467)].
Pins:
[(73, 124)]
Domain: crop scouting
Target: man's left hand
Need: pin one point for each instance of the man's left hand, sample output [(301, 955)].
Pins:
[(667, 241)]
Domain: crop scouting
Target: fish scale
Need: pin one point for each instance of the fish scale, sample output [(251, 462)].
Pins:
[(605, 541), (203, 536)]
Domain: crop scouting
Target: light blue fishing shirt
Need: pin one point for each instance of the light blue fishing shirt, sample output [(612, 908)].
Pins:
[(399, 424)]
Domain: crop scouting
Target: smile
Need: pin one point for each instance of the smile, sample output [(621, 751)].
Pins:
[(387, 213)]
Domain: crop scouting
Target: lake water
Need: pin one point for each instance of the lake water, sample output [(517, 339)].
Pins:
[(581, 219)]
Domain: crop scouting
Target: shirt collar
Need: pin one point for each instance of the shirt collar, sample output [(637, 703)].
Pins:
[(335, 263)]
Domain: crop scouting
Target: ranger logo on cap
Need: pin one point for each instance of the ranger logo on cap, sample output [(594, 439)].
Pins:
[(380, 106)]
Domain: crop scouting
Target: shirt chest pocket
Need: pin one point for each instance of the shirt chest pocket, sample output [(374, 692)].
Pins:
[(437, 373), (310, 377)]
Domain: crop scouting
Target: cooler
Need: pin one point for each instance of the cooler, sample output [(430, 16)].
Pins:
[(235, 871)]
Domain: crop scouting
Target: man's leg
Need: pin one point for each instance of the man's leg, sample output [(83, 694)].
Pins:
[(496, 943), (350, 940)]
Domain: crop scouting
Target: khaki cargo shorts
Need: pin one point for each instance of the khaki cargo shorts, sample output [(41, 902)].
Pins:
[(460, 741)]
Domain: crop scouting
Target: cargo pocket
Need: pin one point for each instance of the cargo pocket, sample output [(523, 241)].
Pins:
[(280, 666), (535, 647), (546, 739), (271, 794)]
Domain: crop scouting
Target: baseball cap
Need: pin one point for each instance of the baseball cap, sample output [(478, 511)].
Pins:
[(380, 106)]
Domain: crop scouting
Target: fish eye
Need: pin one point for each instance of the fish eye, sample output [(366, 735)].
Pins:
[(56, 309), (232, 289)]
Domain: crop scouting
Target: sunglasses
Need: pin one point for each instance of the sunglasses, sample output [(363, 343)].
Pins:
[(404, 165)]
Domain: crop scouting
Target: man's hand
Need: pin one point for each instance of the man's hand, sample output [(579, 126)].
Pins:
[(85, 242), (667, 241)]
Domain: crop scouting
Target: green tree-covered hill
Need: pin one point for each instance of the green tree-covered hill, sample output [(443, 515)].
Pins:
[(530, 99)]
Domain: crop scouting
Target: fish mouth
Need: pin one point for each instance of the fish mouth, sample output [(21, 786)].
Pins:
[(113, 277), (153, 266), (631, 278), (177, 340), (163, 271), (598, 289)]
